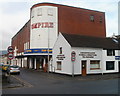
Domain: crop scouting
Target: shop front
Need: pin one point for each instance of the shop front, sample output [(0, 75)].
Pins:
[(38, 58)]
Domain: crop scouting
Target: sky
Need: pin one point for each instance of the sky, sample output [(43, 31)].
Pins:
[(15, 13)]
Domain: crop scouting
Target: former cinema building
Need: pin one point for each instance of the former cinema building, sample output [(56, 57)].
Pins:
[(39, 36)]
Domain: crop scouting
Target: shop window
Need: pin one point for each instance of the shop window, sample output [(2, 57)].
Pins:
[(59, 65), (110, 52), (109, 65), (50, 12), (92, 18), (94, 64), (60, 50), (39, 12)]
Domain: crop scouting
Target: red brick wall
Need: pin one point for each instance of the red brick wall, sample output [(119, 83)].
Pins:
[(74, 20), (77, 21), (21, 37)]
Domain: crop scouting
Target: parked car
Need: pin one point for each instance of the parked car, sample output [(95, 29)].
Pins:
[(5, 67), (13, 69)]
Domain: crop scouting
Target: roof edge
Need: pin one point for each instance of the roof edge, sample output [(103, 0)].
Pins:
[(55, 4)]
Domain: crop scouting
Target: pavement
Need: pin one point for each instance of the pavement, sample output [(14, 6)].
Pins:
[(13, 83), (16, 82), (88, 77)]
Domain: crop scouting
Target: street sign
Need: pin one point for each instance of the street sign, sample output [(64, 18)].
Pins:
[(10, 56), (10, 49), (117, 57), (73, 54)]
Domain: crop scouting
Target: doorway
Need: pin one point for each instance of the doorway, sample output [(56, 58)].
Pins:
[(83, 66), (37, 63)]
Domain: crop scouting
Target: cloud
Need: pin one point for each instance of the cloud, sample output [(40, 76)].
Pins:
[(11, 23)]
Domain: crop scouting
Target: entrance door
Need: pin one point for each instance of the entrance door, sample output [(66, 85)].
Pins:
[(38, 63), (83, 63), (33, 61)]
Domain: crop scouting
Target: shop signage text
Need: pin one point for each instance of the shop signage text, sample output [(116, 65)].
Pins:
[(60, 57), (42, 25), (87, 54), (42, 50)]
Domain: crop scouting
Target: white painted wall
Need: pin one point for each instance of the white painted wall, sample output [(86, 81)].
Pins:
[(109, 58), (77, 64), (39, 36), (66, 63)]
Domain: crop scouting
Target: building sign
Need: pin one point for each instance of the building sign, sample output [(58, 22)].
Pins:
[(42, 50), (87, 54), (60, 57), (117, 57), (42, 25)]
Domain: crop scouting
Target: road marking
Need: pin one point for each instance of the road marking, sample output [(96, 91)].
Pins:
[(23, 81)]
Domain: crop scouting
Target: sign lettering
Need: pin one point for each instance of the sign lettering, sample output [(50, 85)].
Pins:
[(87, 54), (60, 57), (42, 25)]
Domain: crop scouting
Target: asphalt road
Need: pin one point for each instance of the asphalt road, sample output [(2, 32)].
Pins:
[(42, 83)]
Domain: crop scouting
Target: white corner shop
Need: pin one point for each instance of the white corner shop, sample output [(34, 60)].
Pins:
[(91, 57)]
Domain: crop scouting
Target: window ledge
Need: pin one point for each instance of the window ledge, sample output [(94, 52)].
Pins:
[(94, 68)]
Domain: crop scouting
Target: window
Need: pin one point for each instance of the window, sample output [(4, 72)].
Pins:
[(100, 19), (94, 64), (50, 12), (58, 65), (39, 12), (109, 65), (60, 50), (110, 52), (92, 18)]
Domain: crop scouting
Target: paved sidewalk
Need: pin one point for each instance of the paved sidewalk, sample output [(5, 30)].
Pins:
[(78, 77), (13, 83)]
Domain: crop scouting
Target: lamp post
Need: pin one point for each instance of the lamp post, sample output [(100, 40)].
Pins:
[(48, 51)]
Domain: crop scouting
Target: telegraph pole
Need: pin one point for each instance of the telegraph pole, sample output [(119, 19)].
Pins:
[(48, 51)]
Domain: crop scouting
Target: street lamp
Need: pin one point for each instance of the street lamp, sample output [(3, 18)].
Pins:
[(48, 50)]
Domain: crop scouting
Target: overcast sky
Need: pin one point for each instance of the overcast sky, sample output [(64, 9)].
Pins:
[(15, 13)]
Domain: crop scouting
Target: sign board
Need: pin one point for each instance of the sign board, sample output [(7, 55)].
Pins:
[(87, 54), (42, 50), (10, 52), (117, 57), (60, 57), (42, 25), (73, 54), (10, 56), (10, 49)]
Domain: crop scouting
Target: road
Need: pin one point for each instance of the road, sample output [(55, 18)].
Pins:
[(45, 83)]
